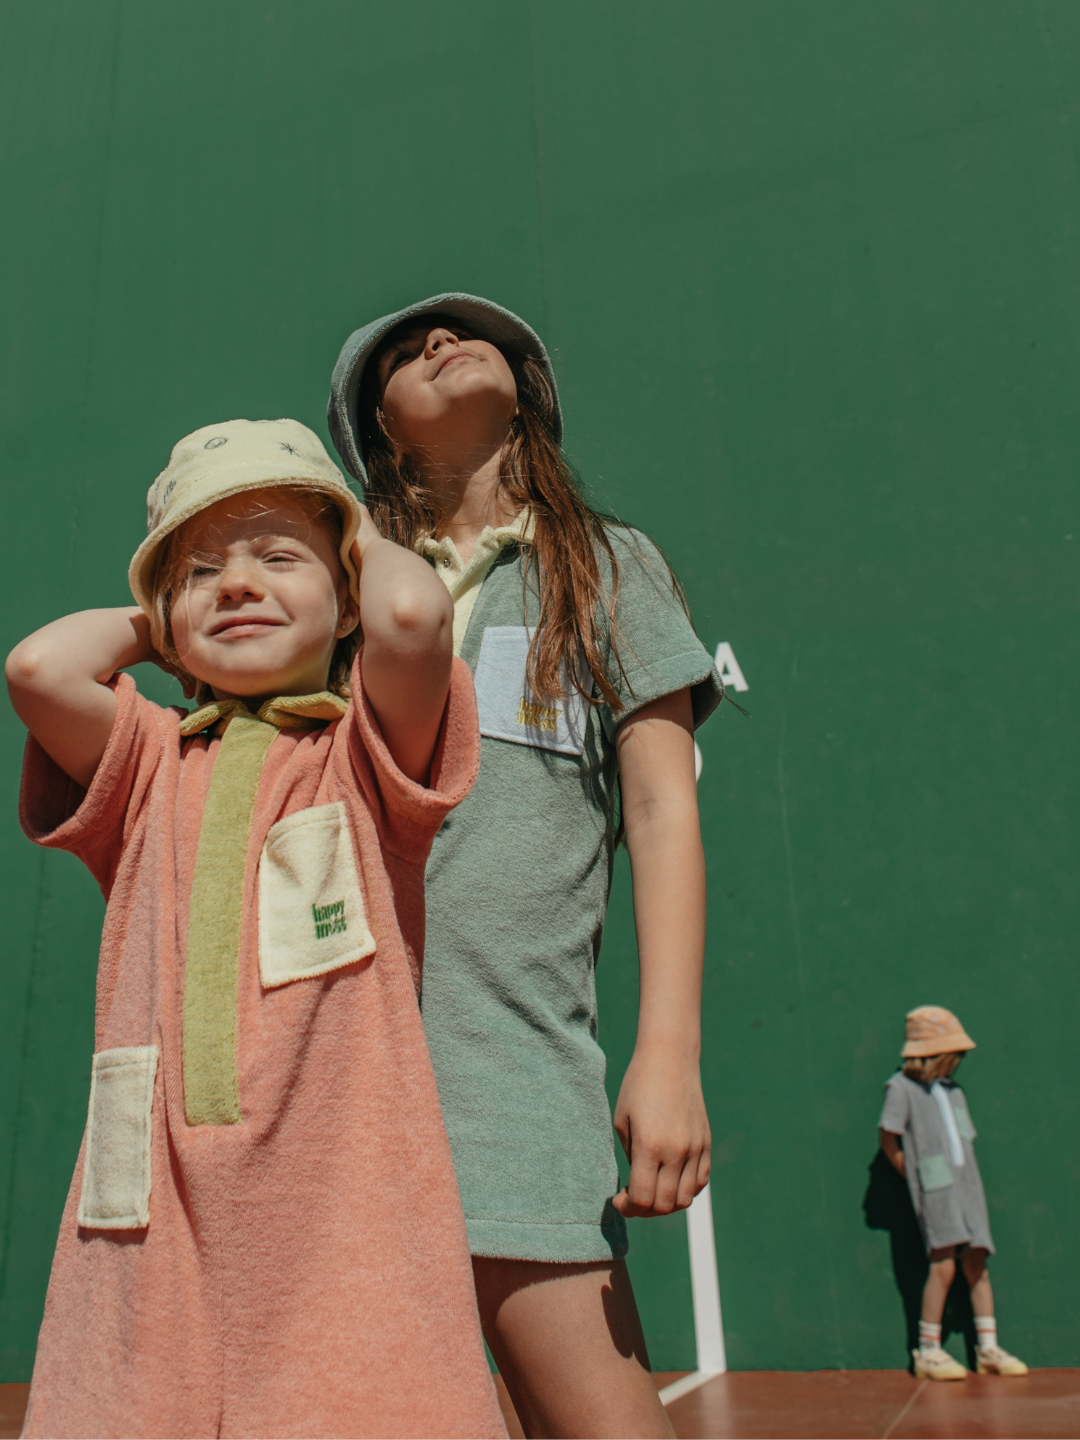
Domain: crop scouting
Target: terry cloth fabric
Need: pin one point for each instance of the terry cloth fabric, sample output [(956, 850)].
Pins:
[(947, 1194), (216, 907), (295, 1272), (227, 459), (518, 883)]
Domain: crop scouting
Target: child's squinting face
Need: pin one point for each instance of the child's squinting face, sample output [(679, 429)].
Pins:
[(260, 600)]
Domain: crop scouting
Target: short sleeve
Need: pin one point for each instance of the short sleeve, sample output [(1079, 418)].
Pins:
[(58, 813), (658, 651), (410, 814), (896, 1112)]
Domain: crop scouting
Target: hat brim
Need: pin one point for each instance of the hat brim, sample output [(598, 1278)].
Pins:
[(944, 1045), (249, 476), (489, 321)]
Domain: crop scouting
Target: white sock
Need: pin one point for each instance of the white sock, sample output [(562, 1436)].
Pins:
[(929, 1336), (986, 1330)]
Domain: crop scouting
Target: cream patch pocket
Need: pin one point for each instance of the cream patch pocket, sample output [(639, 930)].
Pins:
[(311, 909), (508, 708), (115, 1191)]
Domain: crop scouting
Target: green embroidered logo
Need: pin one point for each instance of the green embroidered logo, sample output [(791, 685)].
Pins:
[(329, 919)]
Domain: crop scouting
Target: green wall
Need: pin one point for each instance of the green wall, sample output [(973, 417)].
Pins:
[(812, 278)]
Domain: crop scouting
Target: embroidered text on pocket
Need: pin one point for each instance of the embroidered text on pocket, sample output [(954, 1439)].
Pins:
[(116, 1170), (311, 909), (510, 711), (934, 1173)]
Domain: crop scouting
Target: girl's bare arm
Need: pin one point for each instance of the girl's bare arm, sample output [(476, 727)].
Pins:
[(660, 1116), (57, 679), (894, 1149), (407, 618)]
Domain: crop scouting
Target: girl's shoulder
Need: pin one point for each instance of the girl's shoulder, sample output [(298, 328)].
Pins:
[(630, 543), (643, 570)]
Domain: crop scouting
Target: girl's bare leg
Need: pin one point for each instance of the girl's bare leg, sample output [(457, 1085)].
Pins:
[(942, 1270), (978, 1278), (568, 1343)]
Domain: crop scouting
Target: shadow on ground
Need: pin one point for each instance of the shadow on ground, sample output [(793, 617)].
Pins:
[(887, 1206)]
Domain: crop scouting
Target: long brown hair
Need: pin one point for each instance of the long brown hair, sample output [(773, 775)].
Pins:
[(567, 540)]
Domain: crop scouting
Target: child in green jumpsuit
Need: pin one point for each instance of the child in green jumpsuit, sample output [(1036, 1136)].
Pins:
[(590, 680)]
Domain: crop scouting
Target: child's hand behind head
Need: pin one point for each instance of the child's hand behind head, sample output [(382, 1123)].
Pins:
[(257, 596)]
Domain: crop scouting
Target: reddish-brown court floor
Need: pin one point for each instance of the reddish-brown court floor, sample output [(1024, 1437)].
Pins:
[(834, 1405), (873, 1405)]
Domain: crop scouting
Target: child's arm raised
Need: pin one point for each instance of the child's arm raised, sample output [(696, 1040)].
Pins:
[(58, 682), (407, 618), (660, 1116)]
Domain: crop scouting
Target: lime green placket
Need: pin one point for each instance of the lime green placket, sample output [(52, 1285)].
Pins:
[(215, 917)]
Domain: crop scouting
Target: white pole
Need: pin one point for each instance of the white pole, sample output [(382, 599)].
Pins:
[(705, 1284), (705, 1288)]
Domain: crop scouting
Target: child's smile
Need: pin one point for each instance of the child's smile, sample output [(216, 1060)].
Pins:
[(260, 602)]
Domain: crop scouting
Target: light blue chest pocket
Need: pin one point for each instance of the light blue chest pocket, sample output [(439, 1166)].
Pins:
[(508, 708), (963, 1117)]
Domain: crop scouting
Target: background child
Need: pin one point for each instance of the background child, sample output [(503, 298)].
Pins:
[(263, 1234), (590, 681), (926, 1132)]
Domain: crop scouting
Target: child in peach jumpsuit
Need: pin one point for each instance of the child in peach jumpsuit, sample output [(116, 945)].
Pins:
[(263, 1235)]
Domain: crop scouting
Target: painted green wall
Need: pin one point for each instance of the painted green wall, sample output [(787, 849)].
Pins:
[(812, 277)]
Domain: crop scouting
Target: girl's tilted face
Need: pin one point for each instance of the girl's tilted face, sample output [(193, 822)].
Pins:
[(441, 384), (259, 598)]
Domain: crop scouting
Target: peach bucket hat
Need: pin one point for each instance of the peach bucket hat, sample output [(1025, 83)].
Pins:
[(933, 1030)]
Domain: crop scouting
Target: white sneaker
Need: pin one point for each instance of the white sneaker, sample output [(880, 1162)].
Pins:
[(995, 1361), (937, 1365)]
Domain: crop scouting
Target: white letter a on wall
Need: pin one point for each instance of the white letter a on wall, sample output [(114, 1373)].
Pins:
[(728, 666)]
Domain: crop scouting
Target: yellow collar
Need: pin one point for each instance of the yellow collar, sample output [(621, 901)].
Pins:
[(459, 577), (464, 581), (285, 712)]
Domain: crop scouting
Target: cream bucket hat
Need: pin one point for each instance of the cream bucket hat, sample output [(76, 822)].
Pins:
[(227, 459), (932, 1030)]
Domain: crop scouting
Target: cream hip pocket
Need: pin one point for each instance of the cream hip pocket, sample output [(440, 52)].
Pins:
[(311, 909), (116, 1171)]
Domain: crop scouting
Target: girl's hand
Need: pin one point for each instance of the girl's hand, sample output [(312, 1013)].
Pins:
[(660, 1119), (894, 1150)]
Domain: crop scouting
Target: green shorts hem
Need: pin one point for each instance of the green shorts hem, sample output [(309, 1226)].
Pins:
[(558, 1242)]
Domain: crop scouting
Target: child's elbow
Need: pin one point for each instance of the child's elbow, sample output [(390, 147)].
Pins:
[(421, 618), (26, 668)]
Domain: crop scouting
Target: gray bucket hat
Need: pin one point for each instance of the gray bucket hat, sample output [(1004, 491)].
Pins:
[(485, 319)]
